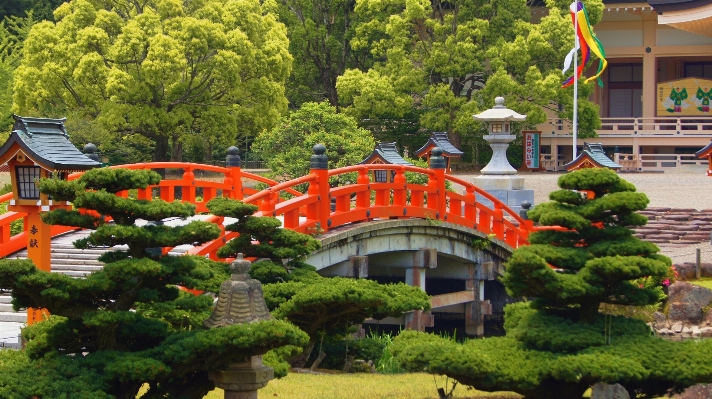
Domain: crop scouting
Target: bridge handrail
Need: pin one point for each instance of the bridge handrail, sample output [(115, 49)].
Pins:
[(497, 203)]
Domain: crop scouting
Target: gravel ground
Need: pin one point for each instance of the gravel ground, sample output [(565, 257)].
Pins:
[(680, 190)]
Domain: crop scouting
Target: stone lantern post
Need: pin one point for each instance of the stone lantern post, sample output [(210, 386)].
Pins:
[(240, 301), (499, 178)]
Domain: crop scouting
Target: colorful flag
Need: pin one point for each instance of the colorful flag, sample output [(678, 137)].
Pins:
[(587, 41)]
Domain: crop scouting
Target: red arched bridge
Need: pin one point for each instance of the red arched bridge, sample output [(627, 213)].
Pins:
[(326, 206)]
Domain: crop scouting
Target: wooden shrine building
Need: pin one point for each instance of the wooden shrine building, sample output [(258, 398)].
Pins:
[(439, 139), (387, 154), (39, 148), (592, 156)]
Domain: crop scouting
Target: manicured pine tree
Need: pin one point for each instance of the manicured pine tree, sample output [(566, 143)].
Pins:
[(558, 344), (128, 325), (295, 292)]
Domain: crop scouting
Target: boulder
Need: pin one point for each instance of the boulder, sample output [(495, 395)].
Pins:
[(686, 331), (698, 391), (707, 319), (601, 390), (682, 292), (686, 313), (660, 319), (706, 332)]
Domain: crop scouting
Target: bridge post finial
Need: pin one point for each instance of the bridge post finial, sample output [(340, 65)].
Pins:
[(232, 160), (90, 152), (319, 161), (437, 161)]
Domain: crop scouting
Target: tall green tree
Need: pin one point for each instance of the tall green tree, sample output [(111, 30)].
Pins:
[(159, 68), (320, 34), (40, 9), (13, 32), (449, 60), (558, 345), (287, 148), (128, 326)]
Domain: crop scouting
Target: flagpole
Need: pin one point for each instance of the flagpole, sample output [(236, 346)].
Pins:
[(575, 132)]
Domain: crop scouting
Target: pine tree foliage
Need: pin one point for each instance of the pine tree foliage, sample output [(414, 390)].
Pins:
[(597, 260), (128, 325), (260, 237), (558, 345)]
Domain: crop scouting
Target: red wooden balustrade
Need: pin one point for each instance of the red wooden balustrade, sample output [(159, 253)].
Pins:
[(311, 212)]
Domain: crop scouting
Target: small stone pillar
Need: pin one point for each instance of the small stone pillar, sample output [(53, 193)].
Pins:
[(240, 301)]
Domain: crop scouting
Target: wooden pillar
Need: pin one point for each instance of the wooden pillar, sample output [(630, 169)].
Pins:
[(39, 251), (649, 68)]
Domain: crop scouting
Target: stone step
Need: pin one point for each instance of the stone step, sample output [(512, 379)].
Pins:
[(6, 307), (17, 317), (5, 298), (85, 268), (69, 261), (74, 256), (72, 273)]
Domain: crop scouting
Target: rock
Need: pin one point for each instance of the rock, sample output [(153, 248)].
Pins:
[(686, 313), (660, 319), (698, 391), (677, 328), (696, 332), (601, 390), (683, 292), (706, 332), (665, 332), (685, 271), (686, 331)]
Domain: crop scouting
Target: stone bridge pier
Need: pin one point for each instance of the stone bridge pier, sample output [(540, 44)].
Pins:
[(459, 267)]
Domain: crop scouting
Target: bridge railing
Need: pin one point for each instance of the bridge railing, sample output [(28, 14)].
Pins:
[(312, 212), (323, 207), (225, 181)]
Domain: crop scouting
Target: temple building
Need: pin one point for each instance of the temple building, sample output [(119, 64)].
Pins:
[(385, 154), (439, 139), (655, 102)]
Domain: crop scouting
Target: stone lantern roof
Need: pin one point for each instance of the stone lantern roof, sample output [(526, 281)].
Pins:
[(46, 142), (499, 113)]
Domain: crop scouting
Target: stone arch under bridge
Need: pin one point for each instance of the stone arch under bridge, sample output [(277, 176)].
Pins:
[(447, 260)]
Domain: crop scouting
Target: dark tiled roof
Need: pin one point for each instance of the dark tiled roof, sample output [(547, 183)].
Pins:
[(595, 153), (705, 151), (677, 5), (388, 153), (46, 141), (439, 139)]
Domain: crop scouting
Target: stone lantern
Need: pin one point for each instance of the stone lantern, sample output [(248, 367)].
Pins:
[(39, 148), (499, 178), (240, 301)]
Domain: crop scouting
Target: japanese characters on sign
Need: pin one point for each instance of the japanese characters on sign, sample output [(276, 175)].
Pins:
[(531, 149)]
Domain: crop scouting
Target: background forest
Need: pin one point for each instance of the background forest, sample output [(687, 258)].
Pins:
[(182, 80)]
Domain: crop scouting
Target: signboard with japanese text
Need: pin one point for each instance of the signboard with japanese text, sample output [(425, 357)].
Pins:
[(532, 152), (684, 97)]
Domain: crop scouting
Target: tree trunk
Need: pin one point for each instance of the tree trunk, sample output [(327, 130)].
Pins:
[(301, 360), (318, 361), (160, 153), (177, 149), (589, 311)]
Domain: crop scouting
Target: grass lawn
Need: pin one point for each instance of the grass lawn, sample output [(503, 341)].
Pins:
[(363, 386), (704, 282)]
